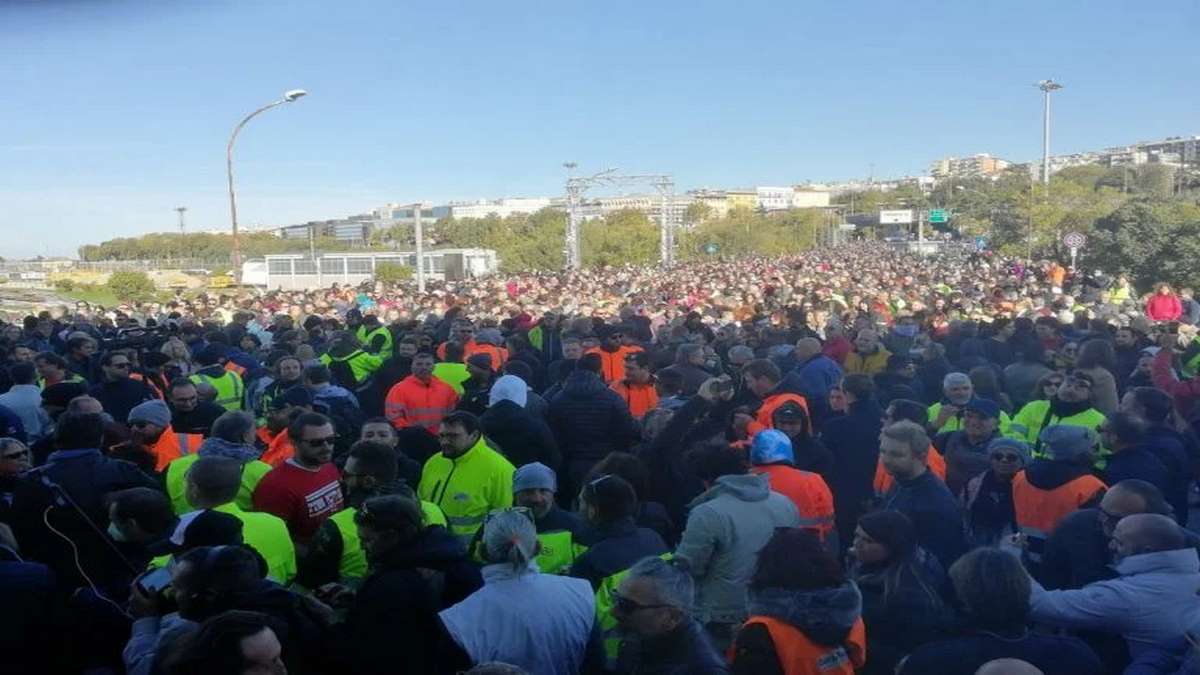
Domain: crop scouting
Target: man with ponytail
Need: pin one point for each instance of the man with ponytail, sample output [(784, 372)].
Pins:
[(541, 622)]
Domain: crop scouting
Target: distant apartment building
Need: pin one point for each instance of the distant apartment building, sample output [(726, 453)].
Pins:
[(717, 201), (501, 207), (975, 166), (774, 198), (649, 204), (742, 199), (406, 214), (923, 183), (354, 231)]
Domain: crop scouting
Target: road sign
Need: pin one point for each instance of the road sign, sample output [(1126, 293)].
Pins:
[(898, 217), (939, 215), (711, 249), (1075, 240)]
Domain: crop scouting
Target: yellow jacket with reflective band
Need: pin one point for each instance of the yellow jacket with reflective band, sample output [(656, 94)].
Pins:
[(453, 374), (252, 473), (955, 422), (229, 386), (353, 564), (366, 337), (362, 365), (269, 536), (467, 487), (604, 616), (558, 551), (1028, 423)]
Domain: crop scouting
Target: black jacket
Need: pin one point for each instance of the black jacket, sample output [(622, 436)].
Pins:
[(589, 421), (394, 615), (1138, 462), (853, 439), (519, 435), (613, 547), (87, 477), (684, 651), (120, 396), (1076, 553), (1172, 449), (934, 513), (911, 614), (198, 421), (963, 656)]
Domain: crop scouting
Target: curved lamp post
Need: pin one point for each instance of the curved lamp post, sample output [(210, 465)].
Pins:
[(288, 97)]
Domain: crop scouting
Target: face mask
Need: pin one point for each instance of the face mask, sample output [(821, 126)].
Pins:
[(116, 534)]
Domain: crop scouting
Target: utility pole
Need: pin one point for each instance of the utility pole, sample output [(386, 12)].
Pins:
[(182, 231), (419, 238), (1046, 86)]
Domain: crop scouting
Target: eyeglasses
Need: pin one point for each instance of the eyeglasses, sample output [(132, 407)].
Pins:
[(1007, 458), (626, 605), (328, 440)]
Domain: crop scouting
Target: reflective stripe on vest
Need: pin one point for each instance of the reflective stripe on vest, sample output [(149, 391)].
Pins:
[(229, 388), (799, 655), (171, 446)]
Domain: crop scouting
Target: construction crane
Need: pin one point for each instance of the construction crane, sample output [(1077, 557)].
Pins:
[(578, 185)]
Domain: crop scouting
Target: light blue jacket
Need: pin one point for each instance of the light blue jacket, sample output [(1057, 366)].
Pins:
[(540, 622), (1152, 602)]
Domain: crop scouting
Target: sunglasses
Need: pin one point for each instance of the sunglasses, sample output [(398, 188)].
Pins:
[(1007, 458), (626, 605)]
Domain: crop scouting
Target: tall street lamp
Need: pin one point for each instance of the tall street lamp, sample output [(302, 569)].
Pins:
[(1046, 86), (288, 97)]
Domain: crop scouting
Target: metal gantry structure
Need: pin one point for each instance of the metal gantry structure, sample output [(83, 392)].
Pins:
[(576, 186)]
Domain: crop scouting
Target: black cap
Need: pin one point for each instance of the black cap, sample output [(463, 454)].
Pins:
[(788, 412), (200, 528)]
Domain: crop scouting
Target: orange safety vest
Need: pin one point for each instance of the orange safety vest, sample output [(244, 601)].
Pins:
[(467, 350), (807, 491), (279, 447), (499, 354), (1039, 511), (171, 446), (772, 403), (640, 397), (883, 480), (612, 364), (153, 387), (798, 655), (411, 402)]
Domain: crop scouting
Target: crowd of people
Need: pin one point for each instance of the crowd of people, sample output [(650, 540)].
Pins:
[(847, 461)]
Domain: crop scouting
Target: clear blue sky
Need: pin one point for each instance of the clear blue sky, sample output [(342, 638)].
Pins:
[(113, 112)]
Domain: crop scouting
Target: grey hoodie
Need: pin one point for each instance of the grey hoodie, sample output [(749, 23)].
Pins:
[(727, 527)]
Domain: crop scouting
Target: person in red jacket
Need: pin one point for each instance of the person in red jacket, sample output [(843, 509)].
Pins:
[(1164, 305)]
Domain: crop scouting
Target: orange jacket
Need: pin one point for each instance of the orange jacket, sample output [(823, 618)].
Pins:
[(470, 345), (171, 446), (279, 446), (639, 397), (149, 383), (1039, 511), (771, 403), (612, 364), (235, 368), (499, 354), (884, 481), (798, 655), (807, 491), (411, 402)]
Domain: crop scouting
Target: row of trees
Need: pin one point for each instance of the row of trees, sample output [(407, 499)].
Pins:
[(1142, 220)]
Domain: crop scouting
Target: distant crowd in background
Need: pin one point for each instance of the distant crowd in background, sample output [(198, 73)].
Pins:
[(852, 460)]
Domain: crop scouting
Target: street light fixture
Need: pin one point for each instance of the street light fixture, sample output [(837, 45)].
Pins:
[(1046, 86), (288, 97)]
